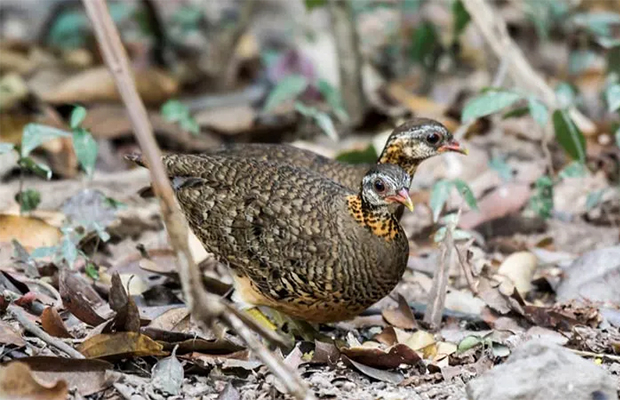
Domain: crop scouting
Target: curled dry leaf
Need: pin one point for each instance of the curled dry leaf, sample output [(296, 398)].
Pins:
[(519, 268), (127, 316), (383, 359), (85, 376), (52, 323), (119, 345), (402, 316), (18, 383), (29, 232), (81, 299), (375, 373)]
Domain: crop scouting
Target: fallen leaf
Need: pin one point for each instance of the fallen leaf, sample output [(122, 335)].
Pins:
[(229, 393), (401, 317), (419, 105), (420, 340), (171, 320), (325, 353), (29, 232), (504, 200), (229, 120), (85, 376), (8, 336), (387, 336), (18, 383), (213, 346), (519, 268), (378, 374), (167, 375), (52, 323), (119, 345), (127, 316), (97, 85), (383, 359), (81, 299)]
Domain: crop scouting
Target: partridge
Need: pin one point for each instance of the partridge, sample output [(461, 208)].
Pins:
[(295, 240), (409, 144)]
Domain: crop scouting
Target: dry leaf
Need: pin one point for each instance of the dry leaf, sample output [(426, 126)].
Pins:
[(382, 359), (519, 268), (229, 120), (29, 232), (52, 323), (81, 299), (121, 344), (171, 320), (401, 317), (375, 373), (18, 383), (504, 200), (127, 316), (97, 85), (167, 375), (8, 336), (85, 376)]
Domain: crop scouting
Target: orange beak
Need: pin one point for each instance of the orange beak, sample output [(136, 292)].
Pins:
[(453, 145), (402, 197)]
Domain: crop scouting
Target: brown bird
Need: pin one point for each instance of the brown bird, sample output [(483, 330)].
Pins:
[(295, 240), (408, 145)]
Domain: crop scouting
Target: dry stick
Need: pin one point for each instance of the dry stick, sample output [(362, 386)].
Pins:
[(31, 327), (205, 307), (437, 295), (493, 29), (596, 355)]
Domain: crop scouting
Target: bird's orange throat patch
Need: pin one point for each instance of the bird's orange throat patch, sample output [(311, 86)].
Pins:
[(395, 154), (380, 224)]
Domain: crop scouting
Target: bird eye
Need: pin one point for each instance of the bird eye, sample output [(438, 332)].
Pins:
[(379, 186), (433, 138)]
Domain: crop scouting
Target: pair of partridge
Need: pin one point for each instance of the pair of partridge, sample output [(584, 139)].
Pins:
[(303, 234)]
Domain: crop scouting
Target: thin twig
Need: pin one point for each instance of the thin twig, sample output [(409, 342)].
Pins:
[(596, 355), (271, 336), (494, 30), (31, 327), (469, 276), (437, 295), (205, 307)]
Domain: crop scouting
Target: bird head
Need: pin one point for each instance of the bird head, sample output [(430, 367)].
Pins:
[(385, 184), (415, 141)]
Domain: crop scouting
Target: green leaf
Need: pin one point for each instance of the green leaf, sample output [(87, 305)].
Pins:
[(499, 165), (323, 120), (440, 234), (466, 193), (487, 103), (580, 60), (174, 111), (333, 98), (598, 23), (38, 169), (68, 250), (190, 125), (368, 155), (469, 342), (439, 196), (460, 234), (77, 116), (542, 200), (36, 134), (617, 136), (516, 113), (85, 148), (612, 95), (500, 350), (91, 271), (425, 44), (566, 95), (41, 252), (569, 136), (312, 4), (594, 199), (6, 147), (461, 17), (286, 90), (538, 111), (573, 170), (28, 199)]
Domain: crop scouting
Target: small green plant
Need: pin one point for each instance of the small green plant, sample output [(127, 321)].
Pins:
[(441, 192), (35, 135), (177, 112)]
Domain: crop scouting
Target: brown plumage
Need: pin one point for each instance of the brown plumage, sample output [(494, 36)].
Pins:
[(296, 241), (409, 144)]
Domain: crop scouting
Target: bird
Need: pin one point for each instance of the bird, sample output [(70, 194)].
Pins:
[(294, 240), (409, 145)]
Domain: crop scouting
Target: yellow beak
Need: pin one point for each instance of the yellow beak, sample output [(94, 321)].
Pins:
[(403, 198)]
